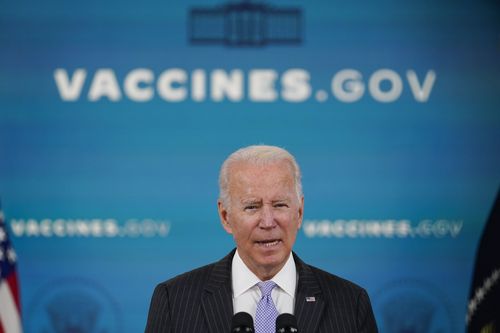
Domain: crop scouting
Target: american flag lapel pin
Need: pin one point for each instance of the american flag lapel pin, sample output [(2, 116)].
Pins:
[(310, 299)]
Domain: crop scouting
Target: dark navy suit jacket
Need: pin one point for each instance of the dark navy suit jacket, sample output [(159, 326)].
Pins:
[(201, 301)]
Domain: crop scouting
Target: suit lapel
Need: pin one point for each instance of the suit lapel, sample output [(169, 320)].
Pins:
[(309, 303), (217, 299)]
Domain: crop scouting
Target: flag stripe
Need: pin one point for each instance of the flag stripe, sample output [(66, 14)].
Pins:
[(9, 315), (14, 289)]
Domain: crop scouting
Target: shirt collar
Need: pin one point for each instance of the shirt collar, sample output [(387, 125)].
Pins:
[(243, 278)]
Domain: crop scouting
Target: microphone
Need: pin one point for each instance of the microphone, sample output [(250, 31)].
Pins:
[(242, 322), (286, 323)]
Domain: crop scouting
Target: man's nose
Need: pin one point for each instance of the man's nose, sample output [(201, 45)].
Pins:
[(267, 218)]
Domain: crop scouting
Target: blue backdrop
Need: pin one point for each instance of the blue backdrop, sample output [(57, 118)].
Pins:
[(115, 117)]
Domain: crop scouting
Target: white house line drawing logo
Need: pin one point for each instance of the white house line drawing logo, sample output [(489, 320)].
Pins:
[(245, 24)]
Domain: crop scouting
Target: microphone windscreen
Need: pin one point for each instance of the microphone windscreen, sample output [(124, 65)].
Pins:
[(286, 323), (242, 322)]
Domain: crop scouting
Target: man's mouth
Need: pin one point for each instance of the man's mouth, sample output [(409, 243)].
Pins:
[(269, 242)]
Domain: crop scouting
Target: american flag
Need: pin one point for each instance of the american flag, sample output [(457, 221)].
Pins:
[(10, 310)]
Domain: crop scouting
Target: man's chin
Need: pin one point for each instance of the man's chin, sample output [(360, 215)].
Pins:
[(272, 262)]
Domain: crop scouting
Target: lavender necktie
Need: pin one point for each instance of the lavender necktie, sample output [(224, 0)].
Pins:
[(265, 317)]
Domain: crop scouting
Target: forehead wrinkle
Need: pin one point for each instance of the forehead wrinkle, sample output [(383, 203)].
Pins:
[(276, 194), (250, 200), (250, 185), (248, 180)]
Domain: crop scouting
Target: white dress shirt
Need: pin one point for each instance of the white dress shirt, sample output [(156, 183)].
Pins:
[(246, 292)]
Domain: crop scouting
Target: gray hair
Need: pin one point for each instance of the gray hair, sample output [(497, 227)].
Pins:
[(259, 155)]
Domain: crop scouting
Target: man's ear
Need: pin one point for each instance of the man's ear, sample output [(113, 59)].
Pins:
[(223, 215), (301, 212)]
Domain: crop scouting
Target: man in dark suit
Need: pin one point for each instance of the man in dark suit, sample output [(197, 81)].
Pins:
[(261, 204)]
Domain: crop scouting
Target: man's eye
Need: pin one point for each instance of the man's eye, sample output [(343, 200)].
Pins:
[(281, 204), (250, 207)]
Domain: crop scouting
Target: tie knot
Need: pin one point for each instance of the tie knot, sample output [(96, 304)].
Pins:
[(266, 287)]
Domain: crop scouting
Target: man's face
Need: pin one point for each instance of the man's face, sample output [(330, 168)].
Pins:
[(264, 214)]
